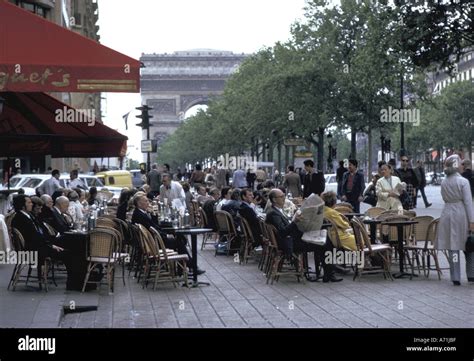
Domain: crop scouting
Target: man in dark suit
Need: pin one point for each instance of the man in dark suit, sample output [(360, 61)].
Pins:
[(59, 221), (146, 219), (313, 181), (248, 213), (289, 236), (37, 239), (209, 208), (353, 186)]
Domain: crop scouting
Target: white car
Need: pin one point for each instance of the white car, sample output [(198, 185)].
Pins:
[(29, 182), (331, 184)]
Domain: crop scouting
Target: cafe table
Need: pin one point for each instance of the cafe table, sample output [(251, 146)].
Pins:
[(372, 222), (193, 232), (400, 225)]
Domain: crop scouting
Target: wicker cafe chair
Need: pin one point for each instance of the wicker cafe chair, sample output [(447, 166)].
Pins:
[(149, 251), (195, 214), (263, 265), (103, 245), (247, 242), (208, 238), (370, 251), (424, 246), (119, 255), (279, 262), (170, 267), (343, 208), (43, 269), (227, 231), (374, 212)]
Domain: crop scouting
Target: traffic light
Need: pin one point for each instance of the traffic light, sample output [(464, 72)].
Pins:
[(145, 116)]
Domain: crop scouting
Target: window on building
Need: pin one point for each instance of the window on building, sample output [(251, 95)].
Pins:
[(34, 8)]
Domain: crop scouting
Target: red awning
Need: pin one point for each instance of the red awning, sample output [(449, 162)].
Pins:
[(37, 55), (36, 123)]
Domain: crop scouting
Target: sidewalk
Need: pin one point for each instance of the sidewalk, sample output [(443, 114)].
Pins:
[(240, 298)]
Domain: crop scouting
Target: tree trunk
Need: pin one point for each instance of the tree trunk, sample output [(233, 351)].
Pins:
[(279, 156), (320, 165), (287, 156), (369, 164), (353, 144)]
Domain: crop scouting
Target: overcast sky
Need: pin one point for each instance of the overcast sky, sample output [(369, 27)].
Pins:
[(158, 26)]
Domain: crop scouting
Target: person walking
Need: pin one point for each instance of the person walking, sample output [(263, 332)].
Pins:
[(421, 177), (457, 219)]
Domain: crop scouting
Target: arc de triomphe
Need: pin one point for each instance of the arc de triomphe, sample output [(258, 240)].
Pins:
[(173, 83)]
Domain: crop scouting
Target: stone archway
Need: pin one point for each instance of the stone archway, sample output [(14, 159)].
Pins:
[(173, 83)]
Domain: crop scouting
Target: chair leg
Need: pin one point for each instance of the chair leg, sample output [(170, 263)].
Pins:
[(438, 269), (12, 277), (89, 269)]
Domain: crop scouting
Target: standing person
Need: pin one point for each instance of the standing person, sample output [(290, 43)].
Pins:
[(457, 219), (250, 177), (50, 185), (387, 197), (172, 190), (353, 185), (74, 181), (339, 174), (407, 175), (197, 177), (292, 182), (239, 179), (261, 176), (467, 164), (153, 179), (313, 181), (421, 177), (277, 178), (221, 178)]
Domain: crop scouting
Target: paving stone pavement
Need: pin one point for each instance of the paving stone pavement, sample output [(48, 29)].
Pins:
[(239, 297)]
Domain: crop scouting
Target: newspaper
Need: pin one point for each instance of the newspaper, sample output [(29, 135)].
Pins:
[(312, 211)]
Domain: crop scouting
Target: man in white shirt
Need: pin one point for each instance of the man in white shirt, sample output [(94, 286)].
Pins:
[(75, 182), (239, 180), (171, 190), (50, 185)]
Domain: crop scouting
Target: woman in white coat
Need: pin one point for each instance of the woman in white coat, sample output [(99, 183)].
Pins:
[(387, 196), (456, 219)]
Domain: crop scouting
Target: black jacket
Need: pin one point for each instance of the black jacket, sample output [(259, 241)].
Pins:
[(358, 185), (147, 221), (313, 183), (209, 208), (408, 176), (287, 232), (59, 223), (35, 237), (250, 216)]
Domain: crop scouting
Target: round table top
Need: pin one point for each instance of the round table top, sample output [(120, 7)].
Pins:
[(395, 223), (192, 230)]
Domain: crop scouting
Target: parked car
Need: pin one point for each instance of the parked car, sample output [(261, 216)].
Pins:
[(29, 182), (116, 178), (331, 184)]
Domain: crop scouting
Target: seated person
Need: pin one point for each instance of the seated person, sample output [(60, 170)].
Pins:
[(247, 212), (142, 216), (46, 214), (209, 208), (38, 239), (61, 221), (233, 207), (289, 236), (343, 228), (92, 199), (202, 196)]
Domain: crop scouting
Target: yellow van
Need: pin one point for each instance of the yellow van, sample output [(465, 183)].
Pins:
[(116, 178)]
